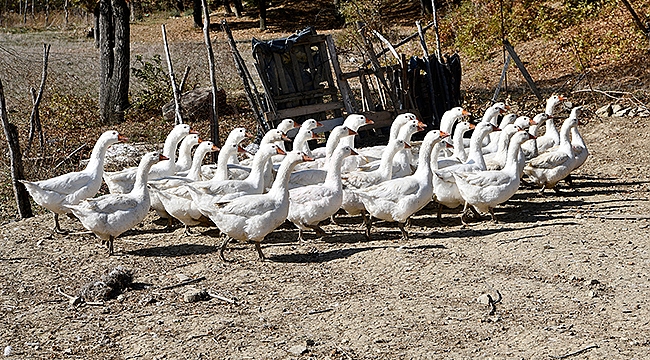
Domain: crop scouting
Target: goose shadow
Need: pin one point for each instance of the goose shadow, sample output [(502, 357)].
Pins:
[(323, 257), (175, 250)]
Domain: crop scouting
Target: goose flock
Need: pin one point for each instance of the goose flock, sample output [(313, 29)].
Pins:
[(249, 198)]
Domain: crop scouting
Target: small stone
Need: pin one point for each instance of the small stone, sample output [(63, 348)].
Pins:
[(632, 112), (484, 299), (591, 294), (310, 342), (8, 351), (578, 216), (183, 277), (622, 112), (604, 111), (616, 108), (298, 349), (592, 282), (195, 295)]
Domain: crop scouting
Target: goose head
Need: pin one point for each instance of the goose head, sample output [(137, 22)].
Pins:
[(355, 121), (399, 121), (552, 102), (310, 124), (274, 135), (286, 125), (539, 118), (524, 122), (237, 135)]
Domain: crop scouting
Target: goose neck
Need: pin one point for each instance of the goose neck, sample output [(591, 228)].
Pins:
[(96, 161)]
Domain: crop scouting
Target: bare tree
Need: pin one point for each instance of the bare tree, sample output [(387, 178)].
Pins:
[(114, 45), (17, 174), (34, 119)]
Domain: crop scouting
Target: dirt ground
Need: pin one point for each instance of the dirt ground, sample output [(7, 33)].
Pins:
[(572, 269)]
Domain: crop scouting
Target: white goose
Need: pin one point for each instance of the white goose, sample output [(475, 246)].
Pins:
[(317, 175), (403, 159), (445, 189), (459, 154), (551, 137), (204, 194), (228, 154), (548, 168), (69, 189), (497, 160), (354, 122), (252, 217), (285, 126), (362, 179), (484, 190), (184, 161), (450, 117), (309, 205), (156, 187), (375, 152), (110, 215), (577, 142), (121, 182), (493, 146), (529, 148), (398, 199)]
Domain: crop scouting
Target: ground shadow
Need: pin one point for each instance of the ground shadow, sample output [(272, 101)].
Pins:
[(175, 250)]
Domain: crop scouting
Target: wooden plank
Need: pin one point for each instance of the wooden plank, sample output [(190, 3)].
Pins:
[(366, 99), (522, 68), (344, 87), (279, 67), (297, 75), (306, 95), (309, 109)]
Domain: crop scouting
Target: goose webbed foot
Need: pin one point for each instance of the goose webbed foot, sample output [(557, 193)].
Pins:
[(569, 180), (170, 223), (333, 219), (301, 239), (188, 232), (319, 231), (541, 191), (258, 247), (368, 227), (57, 227), (109, 245), (226, 240), (405, 234), (493, 217)]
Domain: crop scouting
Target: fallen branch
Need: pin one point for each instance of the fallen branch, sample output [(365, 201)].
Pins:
[(183, 283), (314, 312), (73, 300), (607, 93), (222, 298), (576, 352), (493, 308), (71, 155)]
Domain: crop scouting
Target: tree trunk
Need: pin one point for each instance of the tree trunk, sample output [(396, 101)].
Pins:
[(96, 27), (262, 15), (197, 10), (227, 8), (239, 8), (20, 192), (114, 44)]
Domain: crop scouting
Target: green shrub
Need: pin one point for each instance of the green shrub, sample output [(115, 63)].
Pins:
[(152, 90)]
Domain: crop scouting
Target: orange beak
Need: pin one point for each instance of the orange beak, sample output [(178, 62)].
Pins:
[(215, 148), (352, 152), (531, 122), (449, 146), (314, 136), (420, 123), (248, 135), (368, 121), (472, 126), (466, 113), (307, 158), (296, 125), (561, 98), (420, 128), (531, 136), (495, 128), (200, 141), (351, 132), (280, 151), (121, 138), (162, 157), (285, 137), (241, 149), (443, 135), (407, 146), (319, 124), (192, 131)]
